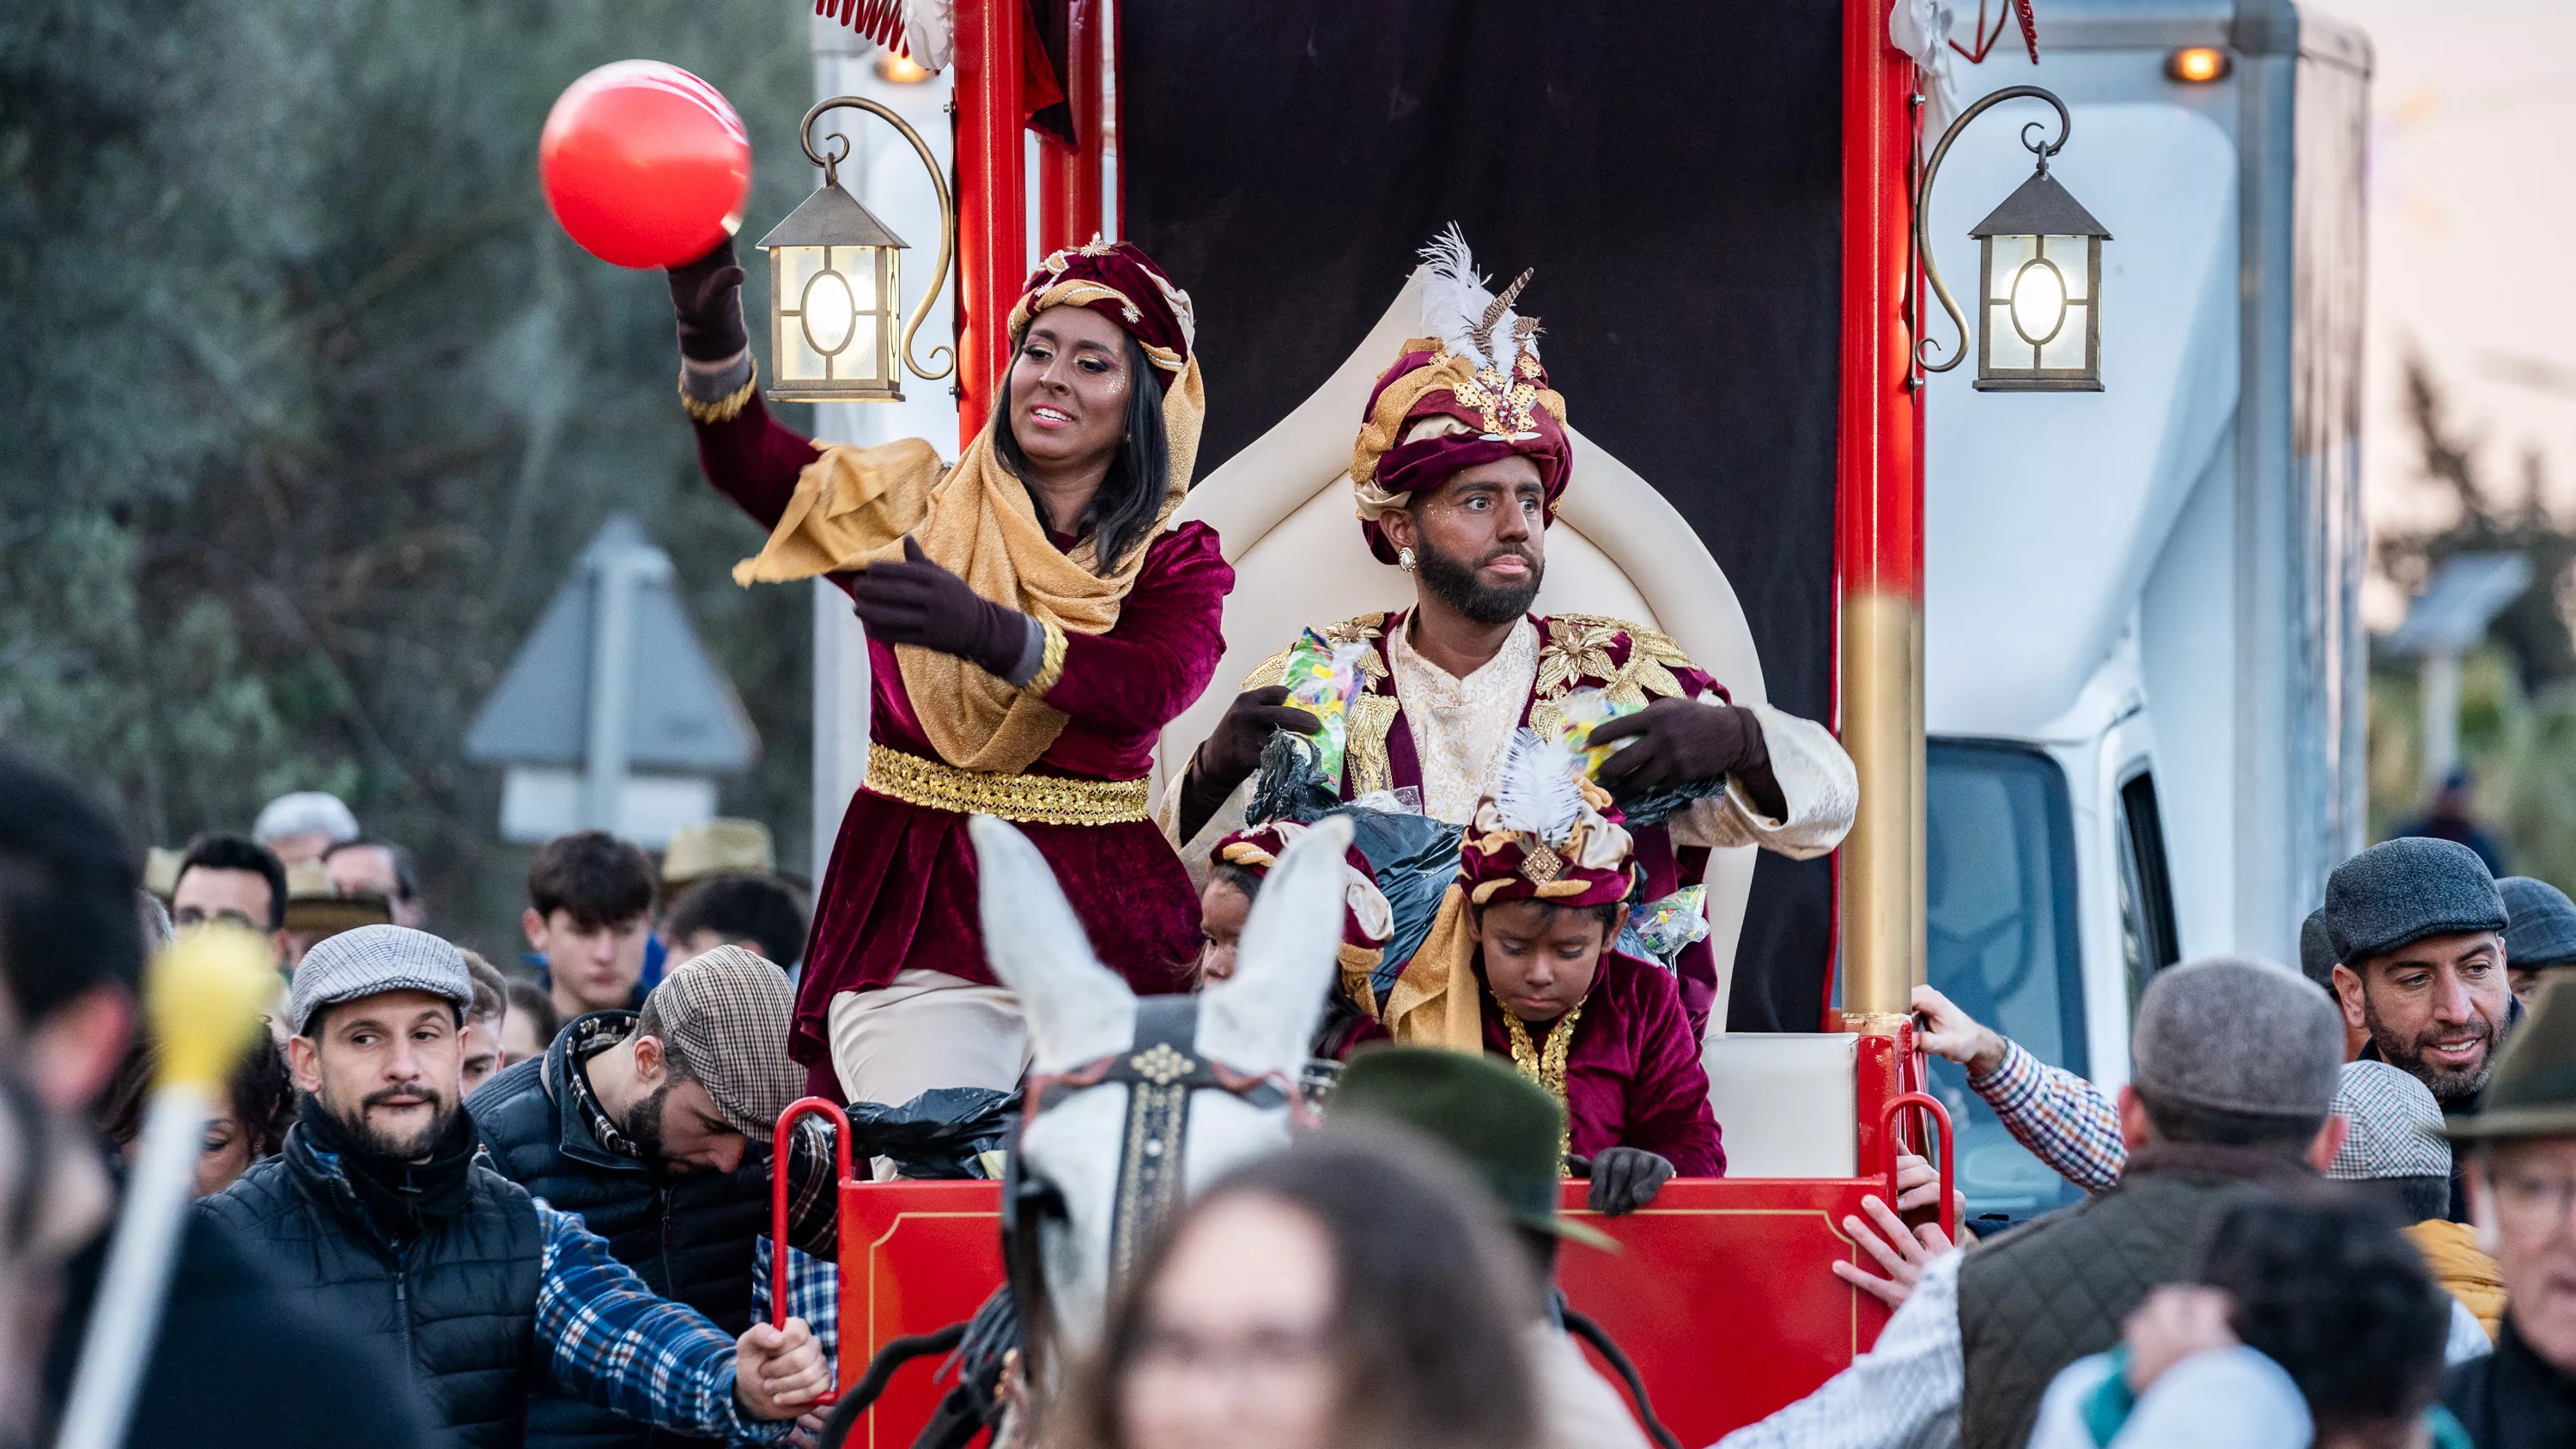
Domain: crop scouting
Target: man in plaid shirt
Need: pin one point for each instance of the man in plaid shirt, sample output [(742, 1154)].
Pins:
[(2063, 1120), (655, 1128)]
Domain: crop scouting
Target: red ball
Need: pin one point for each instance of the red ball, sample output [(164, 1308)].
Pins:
[(644, 164)]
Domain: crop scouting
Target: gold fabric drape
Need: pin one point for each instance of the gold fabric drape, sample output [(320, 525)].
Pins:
[(853, 506)]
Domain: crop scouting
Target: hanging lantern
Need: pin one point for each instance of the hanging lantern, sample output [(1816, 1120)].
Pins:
[(2040, 264), (2039, 273), (835, 294)]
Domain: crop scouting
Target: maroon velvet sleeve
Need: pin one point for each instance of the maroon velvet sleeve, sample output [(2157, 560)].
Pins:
[(1667, 1109), (1157, 659), (754, 461)]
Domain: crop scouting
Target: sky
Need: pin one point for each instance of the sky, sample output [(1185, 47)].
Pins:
[(2472, 211)]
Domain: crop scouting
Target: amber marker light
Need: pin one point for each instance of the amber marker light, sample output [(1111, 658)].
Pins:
[(902, 70), (2197, 64)]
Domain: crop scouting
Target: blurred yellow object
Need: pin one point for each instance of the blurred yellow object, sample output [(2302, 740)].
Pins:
[(204, 999), (2197, 65)]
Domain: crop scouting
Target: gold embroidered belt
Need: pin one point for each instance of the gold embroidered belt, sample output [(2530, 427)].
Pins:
[(1029, 799)]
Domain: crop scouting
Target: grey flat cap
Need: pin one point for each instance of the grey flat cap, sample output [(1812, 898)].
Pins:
[(375, 959), (2403, 890), (2316, 951), (2392, 1119), (2238, 1035), (2540, 923)]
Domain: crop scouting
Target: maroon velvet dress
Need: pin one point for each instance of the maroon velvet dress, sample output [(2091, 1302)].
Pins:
[(900, 890), (1633, 1076)]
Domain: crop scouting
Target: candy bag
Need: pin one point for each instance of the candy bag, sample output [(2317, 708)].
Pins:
[(1322, 678), (1578, 713), (1661, 928)]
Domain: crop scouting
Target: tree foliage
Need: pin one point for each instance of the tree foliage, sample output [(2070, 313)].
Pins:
[(312, 403)]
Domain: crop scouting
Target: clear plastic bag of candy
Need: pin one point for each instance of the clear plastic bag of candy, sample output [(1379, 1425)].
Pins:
[(1322, 678)]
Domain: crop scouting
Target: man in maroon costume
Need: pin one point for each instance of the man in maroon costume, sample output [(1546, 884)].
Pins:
[(1460, 462), (1033, 620)]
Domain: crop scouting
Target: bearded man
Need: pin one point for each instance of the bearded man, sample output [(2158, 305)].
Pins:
[(379, 1212), (654, 1127), (1461, 458), (2417, 926)]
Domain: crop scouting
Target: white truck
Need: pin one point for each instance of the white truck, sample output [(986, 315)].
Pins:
[(2144, 665)]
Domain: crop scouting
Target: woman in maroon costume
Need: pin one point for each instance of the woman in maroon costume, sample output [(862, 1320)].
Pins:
[(1033, 621)]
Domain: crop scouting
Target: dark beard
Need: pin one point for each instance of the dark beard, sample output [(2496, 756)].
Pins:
[(385, 1144), (643, 1127), (2451, 1089), (1453, 582)]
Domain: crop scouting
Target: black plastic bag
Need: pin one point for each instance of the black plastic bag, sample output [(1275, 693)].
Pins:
[(943, 1133)]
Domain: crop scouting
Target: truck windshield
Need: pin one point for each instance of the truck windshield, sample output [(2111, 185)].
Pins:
[(1999, 879)]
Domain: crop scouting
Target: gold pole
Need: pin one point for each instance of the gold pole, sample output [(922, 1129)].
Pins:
[(1882, 859)]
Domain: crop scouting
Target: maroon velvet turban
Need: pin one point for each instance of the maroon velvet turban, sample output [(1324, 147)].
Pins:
[(1122, 284)]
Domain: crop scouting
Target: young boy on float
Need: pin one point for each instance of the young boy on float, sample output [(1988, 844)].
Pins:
[(1527, 935), (1236, 869)]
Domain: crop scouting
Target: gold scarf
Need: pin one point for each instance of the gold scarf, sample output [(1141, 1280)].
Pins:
[(1433, 1003), (853, 506)]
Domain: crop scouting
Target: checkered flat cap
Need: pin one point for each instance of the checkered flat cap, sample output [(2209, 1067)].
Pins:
[(370, 961), (724, 1016), (2391, 1120)]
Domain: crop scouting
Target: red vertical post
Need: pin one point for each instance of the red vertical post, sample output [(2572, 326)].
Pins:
[(1878, 533), (992, 200), (1069, 176)]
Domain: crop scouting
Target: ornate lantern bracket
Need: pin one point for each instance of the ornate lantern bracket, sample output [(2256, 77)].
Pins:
[(836, 282)]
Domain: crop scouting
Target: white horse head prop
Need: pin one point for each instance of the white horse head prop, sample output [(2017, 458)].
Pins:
[(1136, 1104)]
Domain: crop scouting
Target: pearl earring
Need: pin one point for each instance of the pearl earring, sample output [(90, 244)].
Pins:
[(1404, 559)]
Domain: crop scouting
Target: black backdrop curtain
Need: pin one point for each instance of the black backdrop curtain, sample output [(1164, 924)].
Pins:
[(1672, 171)]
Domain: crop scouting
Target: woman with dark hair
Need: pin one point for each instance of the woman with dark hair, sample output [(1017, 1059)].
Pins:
[(248, 1124), (1033, 619), (1353, 1292)]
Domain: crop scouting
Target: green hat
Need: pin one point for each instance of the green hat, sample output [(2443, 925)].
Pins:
[(1503, 1126), (2533, 1091)]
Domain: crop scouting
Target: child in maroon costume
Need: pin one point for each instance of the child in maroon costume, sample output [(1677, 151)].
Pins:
[(899, 894)]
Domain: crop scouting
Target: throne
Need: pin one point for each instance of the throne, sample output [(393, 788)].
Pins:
[(1283, 509)]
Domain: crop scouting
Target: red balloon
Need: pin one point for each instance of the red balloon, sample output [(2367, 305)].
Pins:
[(644, 164)]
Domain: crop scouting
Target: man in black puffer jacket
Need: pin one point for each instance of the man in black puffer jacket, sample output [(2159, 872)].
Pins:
[(655, 1128), (378, 1213)]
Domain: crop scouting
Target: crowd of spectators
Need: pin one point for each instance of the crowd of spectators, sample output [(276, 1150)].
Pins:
[(2333, 1206)]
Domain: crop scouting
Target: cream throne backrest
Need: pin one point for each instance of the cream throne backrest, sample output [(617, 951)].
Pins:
[(1283, 509)]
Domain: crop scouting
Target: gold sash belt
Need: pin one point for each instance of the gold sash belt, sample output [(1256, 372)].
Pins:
[(1038, 799)]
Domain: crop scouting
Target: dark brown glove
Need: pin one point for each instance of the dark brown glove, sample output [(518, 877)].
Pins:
[(1624, 1179), (707, 296), (1233, 751), (917, 602), (1683, 742)]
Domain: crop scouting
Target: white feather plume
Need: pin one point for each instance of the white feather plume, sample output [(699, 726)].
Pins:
[(1456, 306), (1538, 792)]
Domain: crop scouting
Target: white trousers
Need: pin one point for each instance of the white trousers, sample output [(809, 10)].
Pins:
[(926, 1029)]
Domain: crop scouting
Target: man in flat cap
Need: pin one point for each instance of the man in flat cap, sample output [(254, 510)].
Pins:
[(654, 1126), (2521, 1154), (2417, 928), (2233, 1065), (2539, 933), (378, 1209)]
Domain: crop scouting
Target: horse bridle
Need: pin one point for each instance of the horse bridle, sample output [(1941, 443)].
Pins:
[(1161, 1068)]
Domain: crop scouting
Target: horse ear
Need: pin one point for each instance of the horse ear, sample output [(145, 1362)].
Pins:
[(1261, 1018), (1078, 1010)]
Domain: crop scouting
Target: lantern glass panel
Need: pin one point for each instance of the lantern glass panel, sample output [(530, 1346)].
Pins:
[(2004, 348), (828, 313), (859, 266), (2005, 256), (2038, 302), (2072, 254), (795, 268)]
